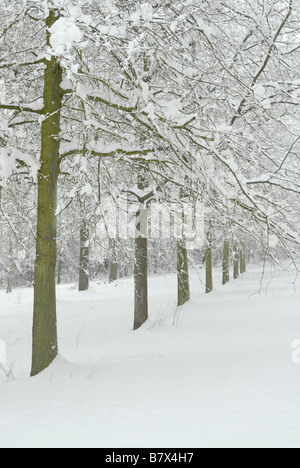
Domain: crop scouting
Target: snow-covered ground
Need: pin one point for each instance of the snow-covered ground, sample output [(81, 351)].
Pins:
[(217, 373)]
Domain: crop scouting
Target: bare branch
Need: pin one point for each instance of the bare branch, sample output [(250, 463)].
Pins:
[(21, 108)]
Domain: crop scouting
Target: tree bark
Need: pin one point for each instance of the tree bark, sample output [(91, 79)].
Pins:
[(243, 258), (9, 282), (84, 261), (10, 274), (183, 280), (141, 270), (45, 346), (113, 269), (113, 272), (236, 265), (226, 262), (208, 258)]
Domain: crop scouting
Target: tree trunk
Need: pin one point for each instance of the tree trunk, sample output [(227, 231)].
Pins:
[(141, 270), (10, 274), (183, 280), (84, 261), (208, 258), (243, 258), (236, 265), (113, 269), (9, 283), (113, 272), (45, 346), (226, 262)]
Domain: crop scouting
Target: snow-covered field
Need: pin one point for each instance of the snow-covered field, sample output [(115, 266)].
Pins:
[(217, 373)]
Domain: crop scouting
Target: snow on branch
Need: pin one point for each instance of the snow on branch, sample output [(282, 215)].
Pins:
[(25, 64), (257, 88), (11, 158), (34, 107), (66, 31), (103, 149), (97, 98)]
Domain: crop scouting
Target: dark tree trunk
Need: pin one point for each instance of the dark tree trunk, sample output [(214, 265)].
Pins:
[(9, 283), (183, 280), (141, 270), (10, 274), (243, 258), (113, 272), (84, 260), (113, 269), (45, 346)]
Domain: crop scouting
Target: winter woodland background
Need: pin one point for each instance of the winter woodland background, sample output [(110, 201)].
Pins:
[(178, 103)]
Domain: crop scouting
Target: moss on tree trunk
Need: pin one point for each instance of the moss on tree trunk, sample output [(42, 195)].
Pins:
[(45, 347)]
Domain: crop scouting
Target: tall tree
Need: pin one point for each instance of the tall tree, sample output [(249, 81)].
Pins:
[(45, 344), (226, 262)]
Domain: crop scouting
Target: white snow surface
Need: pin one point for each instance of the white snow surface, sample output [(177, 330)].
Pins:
[(216, 373)]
